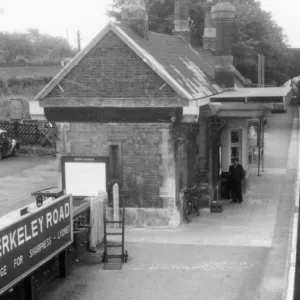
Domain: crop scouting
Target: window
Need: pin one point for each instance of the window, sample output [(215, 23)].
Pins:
[(181, 165), (115, 161), (235, 144), (235, 137), (235, 152)]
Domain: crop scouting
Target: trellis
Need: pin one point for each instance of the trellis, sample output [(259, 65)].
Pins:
[(31, 132)]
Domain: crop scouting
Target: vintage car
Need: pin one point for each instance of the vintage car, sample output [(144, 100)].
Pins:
[(8, 146)]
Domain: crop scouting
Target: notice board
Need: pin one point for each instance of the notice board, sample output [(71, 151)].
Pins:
[(16, 110), (84, 176)]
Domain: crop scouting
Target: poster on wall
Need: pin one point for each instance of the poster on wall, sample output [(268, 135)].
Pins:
[(84, 176)]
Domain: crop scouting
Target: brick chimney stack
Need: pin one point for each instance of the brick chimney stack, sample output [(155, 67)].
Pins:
[(134, 14), (181, 20), (209, 36), (223, 15)]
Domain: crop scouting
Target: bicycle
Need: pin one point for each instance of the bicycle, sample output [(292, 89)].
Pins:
[(190, 203)]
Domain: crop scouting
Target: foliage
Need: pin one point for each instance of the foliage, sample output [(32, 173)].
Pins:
[(4, 108), (32, 46), (160, 13), (294, 59), (26, 87), (24, 81), (185, 133), (254, 32)]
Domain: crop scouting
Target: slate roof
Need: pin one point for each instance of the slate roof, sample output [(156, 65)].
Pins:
[(191, 69)]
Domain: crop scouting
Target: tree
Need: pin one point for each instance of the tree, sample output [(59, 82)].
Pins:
[(14, 46), (160, 13), (161, 16), (32, 46), (294, 54), (254, 32)]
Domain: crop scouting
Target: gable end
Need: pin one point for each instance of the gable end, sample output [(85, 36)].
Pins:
[(112, 70)]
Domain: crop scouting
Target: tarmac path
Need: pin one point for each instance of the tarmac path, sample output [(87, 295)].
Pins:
[(20, 176), (20, 162)]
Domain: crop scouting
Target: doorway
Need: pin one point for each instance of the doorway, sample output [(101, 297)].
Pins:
[(216, 164), (216, 126)]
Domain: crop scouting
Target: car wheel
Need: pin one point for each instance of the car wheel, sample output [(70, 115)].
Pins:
[(13, 152)]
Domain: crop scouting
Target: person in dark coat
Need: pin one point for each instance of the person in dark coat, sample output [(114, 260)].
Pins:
[(237, 174)]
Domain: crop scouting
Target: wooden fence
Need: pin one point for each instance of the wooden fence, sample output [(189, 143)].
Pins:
[(31, 132)]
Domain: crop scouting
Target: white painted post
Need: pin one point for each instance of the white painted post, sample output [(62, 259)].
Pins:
[(116, 204)]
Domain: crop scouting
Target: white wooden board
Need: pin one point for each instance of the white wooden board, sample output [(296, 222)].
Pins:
[(85, 178)]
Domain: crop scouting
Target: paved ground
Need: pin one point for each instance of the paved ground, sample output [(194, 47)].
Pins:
[(20, 162), (22, 175), (240, 254)]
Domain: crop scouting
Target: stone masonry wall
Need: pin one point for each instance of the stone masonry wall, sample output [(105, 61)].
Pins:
[(202, 161), (148, 166), (112, 75), (112, 70), (223, 42)]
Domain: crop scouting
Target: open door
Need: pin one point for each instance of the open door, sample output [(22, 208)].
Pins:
[(216, 165)]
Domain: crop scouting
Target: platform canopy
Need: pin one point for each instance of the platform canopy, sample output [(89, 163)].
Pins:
[(254, 95), (242, 103), (240, 110)]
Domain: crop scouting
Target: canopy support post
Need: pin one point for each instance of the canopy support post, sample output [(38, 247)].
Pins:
[(259, 146), (263, 143)]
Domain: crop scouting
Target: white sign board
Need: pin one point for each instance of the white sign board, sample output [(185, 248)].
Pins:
[(85, 179)]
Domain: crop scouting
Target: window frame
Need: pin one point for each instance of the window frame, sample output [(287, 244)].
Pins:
[(119, 178), (239, 144)]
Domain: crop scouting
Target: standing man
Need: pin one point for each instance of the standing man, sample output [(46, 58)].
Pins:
[(237, 174)]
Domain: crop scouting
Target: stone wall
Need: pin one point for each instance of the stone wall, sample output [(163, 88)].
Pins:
[(112, 75), (202, 163), (148, 184), (111, 70)]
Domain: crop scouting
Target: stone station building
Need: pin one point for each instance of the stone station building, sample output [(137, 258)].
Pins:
[(144, 101)]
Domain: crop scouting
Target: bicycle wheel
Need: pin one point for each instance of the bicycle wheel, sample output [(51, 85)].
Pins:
[(187, 210), (196, 207)]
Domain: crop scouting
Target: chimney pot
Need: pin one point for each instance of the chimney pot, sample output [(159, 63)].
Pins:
[(223, 15), (223, 11), (135, 15), (181, 20), (209, 35)]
